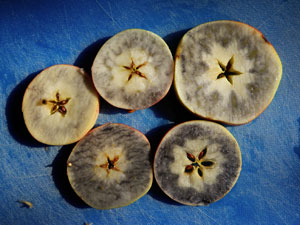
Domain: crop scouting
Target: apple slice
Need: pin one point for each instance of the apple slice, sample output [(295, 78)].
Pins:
[(110, 167), (60, 105), (133, 69), (226, 71), (197, 162)]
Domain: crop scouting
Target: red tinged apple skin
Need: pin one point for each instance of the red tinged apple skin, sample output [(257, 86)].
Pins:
[(259, 111), (92, 118)]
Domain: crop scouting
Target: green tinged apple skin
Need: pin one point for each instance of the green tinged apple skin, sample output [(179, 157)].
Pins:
[(162, 60), (43, 132), (177, 136), (101, 194), (245, 112)]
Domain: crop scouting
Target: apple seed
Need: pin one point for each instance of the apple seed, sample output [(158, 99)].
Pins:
[(58, 105), (200, 163)]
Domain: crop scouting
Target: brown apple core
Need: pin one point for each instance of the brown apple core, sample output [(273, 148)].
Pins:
[(199, 163), (135, 70), (228, 71), (110, 164), (58, 105)]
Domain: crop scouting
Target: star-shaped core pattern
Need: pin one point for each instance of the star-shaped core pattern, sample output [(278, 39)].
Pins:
[(199, 163), (135, 70), (228, 71), (58, 105), (110, 164)]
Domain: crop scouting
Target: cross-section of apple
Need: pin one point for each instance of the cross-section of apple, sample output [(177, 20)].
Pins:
[(133, 69), (197, 162), (226, 71), (110, 167), (60, 105)]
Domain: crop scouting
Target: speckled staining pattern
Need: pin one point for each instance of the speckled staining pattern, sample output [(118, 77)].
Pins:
[(104, 194), (159, 58), (212, 134), (255, 58), (71, 83)]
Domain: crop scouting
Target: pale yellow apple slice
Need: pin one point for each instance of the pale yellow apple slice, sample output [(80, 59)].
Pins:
[(226, 71), (197, 162), (133, 69), (111, 167), (60, 105)]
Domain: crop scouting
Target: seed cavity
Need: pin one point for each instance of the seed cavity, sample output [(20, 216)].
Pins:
[(199, 164), (200, 172), (58, 105), (228, 71), (110, 164), (207, 163), (135, 70)]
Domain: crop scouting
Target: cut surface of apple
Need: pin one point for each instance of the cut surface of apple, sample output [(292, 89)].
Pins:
[(110, 167), (60, 105), (197, 162), (133, 69), (226, 71)]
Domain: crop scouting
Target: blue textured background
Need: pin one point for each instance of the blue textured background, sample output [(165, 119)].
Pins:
[(38, 34)]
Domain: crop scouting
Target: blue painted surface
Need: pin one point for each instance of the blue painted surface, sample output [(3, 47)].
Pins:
[(37, 34)]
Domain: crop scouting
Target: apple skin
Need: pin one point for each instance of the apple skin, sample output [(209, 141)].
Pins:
[(89, 123), (212, 117)]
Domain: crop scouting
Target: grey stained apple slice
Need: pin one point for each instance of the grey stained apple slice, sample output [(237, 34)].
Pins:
[(197, 162), (60, 105), (110, 167), (226, 71), (133, 69)]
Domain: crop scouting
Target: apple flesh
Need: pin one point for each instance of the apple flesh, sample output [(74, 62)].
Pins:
[(110, 167), (197, 162), (133, 69), (226, 71), (60, 105)]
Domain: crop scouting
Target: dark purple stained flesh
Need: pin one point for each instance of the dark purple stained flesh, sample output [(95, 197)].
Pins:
[(110, 167), (133, 70), (210, 176), (226, 71)]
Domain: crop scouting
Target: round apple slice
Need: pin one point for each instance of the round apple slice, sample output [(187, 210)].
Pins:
[(226, 71), (60, 105), (133, 69), (110, 167), (197, 162)]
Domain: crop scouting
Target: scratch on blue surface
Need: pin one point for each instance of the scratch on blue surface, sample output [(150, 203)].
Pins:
[(33, 176), (278, 212), (206, 215), (67, 33), (281, 7), (109, 14)]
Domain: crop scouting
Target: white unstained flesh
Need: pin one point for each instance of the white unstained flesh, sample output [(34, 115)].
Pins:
[(82, 107), (197, 67), (127, 90), (193, 180)]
